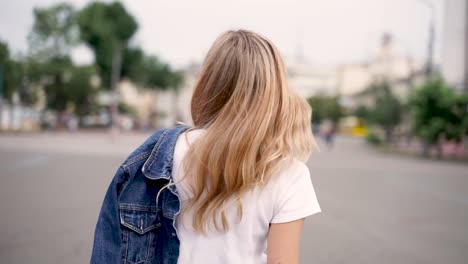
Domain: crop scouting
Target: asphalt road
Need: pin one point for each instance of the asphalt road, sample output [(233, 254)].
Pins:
[(377, 208)]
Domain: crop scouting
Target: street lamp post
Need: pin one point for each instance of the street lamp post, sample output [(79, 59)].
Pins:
[(1, 96), (466, 47), (430, 44)]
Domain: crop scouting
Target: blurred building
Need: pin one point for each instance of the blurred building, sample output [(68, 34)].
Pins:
[(17, 117), (455, 44), (305, 78), (165, 108), (161, 108), (158, 108), (142, 101), (309, 80), (400, 71), (184, 95)]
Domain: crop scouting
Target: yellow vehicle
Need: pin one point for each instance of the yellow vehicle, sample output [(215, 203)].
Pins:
[(354, 126)]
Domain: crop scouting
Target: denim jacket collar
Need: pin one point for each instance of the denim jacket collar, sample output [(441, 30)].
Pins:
[(159, 163)]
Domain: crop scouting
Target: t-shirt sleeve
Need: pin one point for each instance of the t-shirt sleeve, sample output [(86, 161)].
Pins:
[(295, 197)]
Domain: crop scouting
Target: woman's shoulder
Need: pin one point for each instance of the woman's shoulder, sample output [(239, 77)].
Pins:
[(289, 173), (295, 168), (294, 195)]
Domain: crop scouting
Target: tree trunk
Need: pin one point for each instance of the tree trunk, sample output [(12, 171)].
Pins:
[(439, 150), (115, 78), (1, 113), (155, 123), (175, 108), (425, 149), (1, 96), (388, 135), (11, 121)]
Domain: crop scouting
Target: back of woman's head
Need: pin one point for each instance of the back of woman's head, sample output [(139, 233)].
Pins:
[(254, 125)]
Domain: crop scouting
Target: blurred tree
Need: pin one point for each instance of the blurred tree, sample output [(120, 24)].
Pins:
[(438, 111), (362, 111), (70, 90), (11, 73), (131, 64), (387, 109), (158, 75), (128, 109), (149, 71), (325, 107), (12, 79), (67, 86), (54, 31), (4, 55), (81, 93), (461, 113), (4, 52), (53, 34), (54, 75), (107, 28), (176, 79)]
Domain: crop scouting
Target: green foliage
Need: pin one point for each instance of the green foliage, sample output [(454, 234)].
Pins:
[(374, 139), (13, 78), (387, 108), (460, 109), (54, 31), (128, 109), (177, 79), (11, 72), (362, 111), (29, 95), (386, 111), (131, 64), (53, 34), (108, 22), (106, 28), (80, 93), (4, 53), (149, 71), (66, 85), (325, 107), (158, 75), (437, 110), (55, 73)]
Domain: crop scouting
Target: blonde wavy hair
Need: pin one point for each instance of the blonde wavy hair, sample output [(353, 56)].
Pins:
[(254, 124)]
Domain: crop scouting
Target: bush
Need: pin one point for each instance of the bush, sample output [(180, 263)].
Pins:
[(374, 139)]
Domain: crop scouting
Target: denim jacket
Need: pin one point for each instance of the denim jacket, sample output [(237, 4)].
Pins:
[(133, 227)]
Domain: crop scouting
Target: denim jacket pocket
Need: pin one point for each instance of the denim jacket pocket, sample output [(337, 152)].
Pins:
[(139, 232), (139, 219)]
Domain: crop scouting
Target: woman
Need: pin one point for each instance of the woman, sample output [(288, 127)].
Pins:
[(231, 189)]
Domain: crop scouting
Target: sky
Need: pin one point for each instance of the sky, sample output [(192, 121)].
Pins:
[(326, 32)]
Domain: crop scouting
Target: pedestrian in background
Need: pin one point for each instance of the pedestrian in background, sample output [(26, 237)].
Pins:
[(328, 132)]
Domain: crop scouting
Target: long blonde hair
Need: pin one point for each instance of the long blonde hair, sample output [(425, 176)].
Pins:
[(254, 123)]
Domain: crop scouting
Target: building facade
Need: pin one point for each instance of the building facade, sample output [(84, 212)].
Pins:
[(455, 44), (401, 71)]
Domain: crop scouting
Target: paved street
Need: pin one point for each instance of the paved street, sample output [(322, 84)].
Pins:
[(377, 208)]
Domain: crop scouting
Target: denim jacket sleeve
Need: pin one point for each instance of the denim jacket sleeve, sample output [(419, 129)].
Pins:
[(107, 236)]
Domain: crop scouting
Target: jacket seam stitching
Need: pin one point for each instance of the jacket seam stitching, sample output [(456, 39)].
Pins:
[(136, 207), (148, 247), (126, 247), (156, 148), (136, 159)]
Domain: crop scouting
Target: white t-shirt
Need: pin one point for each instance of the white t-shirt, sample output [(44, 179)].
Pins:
[(286, 197)]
